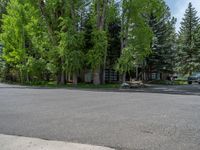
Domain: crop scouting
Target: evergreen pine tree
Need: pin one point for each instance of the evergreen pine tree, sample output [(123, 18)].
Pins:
[(161, 59), (197, 47), (187, 52)]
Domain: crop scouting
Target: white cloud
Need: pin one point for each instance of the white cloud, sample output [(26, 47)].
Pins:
[(181, 6)]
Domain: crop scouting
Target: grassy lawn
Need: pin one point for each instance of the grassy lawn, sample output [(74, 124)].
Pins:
[(79, 85), (53, 84)]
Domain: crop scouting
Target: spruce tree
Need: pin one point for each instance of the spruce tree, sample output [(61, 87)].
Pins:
[(163, 46), (197, 47), (135, 47), (187, 52)]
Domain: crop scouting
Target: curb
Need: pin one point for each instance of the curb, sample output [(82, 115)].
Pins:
[(8, 142)]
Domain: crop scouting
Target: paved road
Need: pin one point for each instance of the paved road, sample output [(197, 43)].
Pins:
[(121, 120), (170, 89)]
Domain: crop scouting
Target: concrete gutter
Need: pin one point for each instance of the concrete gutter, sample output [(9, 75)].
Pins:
[(8, 142)]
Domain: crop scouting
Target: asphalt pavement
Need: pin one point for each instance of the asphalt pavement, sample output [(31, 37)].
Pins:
[(147, 120)]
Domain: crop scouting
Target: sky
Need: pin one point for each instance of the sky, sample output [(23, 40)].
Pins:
[(178, 8)]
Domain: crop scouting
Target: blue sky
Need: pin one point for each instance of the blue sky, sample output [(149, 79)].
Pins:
[(178, 8)]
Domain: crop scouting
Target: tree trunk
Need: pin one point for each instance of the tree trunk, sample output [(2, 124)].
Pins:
[(137, 73), (124, 36), (62, 80), (104, 75), (104, 68), (124, 78), (58, 77), (62, 72), (75, 79), (20, 76), (101, 13), (96, 76), (144, 76), (27, 77)]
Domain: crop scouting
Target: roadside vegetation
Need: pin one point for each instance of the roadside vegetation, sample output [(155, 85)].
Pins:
[(73, 42), (167, 82)]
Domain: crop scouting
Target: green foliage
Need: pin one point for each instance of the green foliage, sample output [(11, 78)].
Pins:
[(163, 51), (167, 82), (49, 39), (113, 11), (22, 38), (136, 35), (97, 54), (1, 64), (36, 68), (127, 61), (147, 36), (71, 46), (188, 51), (13, 36), (75, 61), (3, 4)]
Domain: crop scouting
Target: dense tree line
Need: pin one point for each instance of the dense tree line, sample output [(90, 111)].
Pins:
[(61, 40)]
